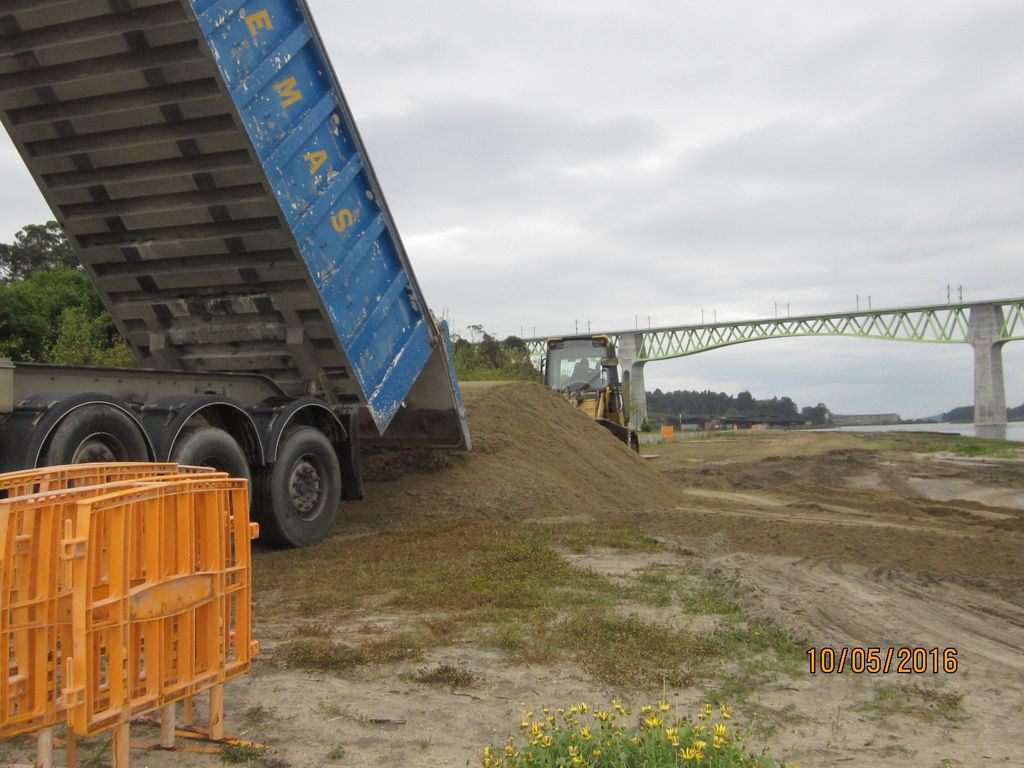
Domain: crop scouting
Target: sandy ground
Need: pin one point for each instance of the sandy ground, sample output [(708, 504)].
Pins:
[(838, 542)]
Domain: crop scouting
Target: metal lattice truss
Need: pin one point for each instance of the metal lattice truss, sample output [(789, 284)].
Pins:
[(941, 324)]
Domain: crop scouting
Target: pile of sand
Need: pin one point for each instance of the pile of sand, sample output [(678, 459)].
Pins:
[(534, 457)]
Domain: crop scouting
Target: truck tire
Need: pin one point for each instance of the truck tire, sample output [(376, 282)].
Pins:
[(211, 447), (95, 433), (300, 493)]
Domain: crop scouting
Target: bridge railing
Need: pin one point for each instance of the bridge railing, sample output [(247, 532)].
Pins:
[(938, 324)]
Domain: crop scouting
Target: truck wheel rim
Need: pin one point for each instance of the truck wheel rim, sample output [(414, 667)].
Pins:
[(304, 487), (98, 447)]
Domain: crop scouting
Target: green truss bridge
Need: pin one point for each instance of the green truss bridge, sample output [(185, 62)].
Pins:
[(986, 326)]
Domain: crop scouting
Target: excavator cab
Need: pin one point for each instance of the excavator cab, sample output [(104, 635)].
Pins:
[(586, 371)]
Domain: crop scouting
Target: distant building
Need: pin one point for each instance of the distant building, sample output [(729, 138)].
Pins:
[(864, 419)]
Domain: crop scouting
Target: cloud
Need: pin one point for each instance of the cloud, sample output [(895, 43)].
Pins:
[(553, 163)]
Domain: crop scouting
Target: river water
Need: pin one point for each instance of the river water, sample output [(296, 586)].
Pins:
[(1014, 430)]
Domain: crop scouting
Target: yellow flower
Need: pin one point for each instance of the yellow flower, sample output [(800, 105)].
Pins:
[(688, 754), (726, 711), (672, 734), (635, 741), (536, 729), (664, 706), (573, 750), (652, 721), (646, 708), (721, 730), (699, 729), (578, 760), (619, 708), (584, 707), (699, 745), (547, 742), (585, 733), (510, 750), (718, 742), (597, 752), (603, 716)]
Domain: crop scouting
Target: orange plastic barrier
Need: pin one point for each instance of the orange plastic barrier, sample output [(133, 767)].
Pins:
[(36, 588), (150, 576), (161, 607), (35, 622), (668, 432), (31, 481)]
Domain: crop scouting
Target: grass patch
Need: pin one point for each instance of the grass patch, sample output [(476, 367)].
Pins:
[(449, 675), (664, 585), (445, 567), (235, 754), (511, 589), (582, 538), (977, 446), (917, 701), (629, 651), (962, 445), (632, 652), (317, 654), (394, 648), (710, 598), (312, 629)]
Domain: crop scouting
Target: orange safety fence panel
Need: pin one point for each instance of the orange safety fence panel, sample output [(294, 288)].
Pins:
[(31, 481), (161, 608), (36, 592), (35, 619)]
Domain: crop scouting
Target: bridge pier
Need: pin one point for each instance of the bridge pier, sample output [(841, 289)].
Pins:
[(984, 334), (633, 376)]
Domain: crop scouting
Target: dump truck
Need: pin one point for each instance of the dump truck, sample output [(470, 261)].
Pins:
[(585, 370), (207, 169)]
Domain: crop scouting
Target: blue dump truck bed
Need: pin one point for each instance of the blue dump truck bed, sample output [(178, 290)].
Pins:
[(203, 161)]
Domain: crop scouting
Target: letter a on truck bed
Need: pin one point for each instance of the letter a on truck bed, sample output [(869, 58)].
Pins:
[(204, 162)]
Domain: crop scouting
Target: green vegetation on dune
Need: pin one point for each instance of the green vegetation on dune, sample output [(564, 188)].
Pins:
[(489, 359)]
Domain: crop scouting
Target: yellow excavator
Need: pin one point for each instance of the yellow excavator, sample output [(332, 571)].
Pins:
[(586, 371)]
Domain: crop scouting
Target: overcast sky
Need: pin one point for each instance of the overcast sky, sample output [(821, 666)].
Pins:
[(557, 161)]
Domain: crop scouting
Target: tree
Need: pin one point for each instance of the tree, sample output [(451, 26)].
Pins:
[(31, 310), (489, 358), (49, 310), (87, 339), (745, 403), (36, 247), (818, 414), (514, 342)]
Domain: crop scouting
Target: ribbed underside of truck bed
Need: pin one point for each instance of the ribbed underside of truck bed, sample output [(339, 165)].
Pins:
[(119, 111)]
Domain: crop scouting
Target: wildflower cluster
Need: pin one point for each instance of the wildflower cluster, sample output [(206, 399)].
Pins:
[(614, 737)]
